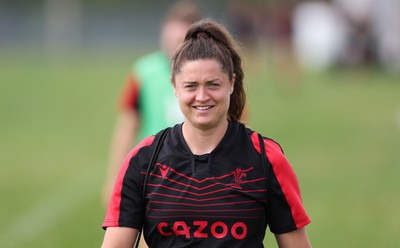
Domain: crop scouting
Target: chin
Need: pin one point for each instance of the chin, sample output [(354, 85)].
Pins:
[(206, 124), (201, 124)]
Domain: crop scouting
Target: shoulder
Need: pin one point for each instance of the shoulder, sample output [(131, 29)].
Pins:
[(152, 65), (150, 141), (157, 57), (146, 142), (141, 153), (273, 150), (271, 146)]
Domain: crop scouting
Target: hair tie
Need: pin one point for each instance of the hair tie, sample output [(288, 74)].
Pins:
[(202, 34)]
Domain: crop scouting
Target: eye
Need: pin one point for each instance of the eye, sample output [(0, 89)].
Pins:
[(213, 85), (189, 86)]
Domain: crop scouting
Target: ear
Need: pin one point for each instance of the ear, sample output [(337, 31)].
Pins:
[(173, 85), (233, 83)]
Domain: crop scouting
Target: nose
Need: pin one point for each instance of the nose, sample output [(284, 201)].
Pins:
[(202, 94)]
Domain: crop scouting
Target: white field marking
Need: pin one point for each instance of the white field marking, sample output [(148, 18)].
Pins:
[(50, 209)]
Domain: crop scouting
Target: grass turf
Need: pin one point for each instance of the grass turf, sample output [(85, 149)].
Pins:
[(339, 129)]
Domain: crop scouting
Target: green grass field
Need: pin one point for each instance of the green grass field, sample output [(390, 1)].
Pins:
[(340, 130)]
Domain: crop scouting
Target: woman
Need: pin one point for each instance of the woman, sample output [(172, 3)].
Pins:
[(207, 186)]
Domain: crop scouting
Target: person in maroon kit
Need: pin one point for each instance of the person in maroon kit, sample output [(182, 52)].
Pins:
[(210, 184)]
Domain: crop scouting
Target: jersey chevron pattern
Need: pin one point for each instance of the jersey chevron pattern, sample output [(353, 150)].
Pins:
[(212, 200)]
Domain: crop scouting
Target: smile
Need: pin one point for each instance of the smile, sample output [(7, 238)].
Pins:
[(202, 107)]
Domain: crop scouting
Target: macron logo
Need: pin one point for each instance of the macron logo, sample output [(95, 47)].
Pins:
[(163, 169)]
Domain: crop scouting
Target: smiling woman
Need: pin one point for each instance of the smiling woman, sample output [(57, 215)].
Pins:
[(212, 41), (203, 91), (214, 182)]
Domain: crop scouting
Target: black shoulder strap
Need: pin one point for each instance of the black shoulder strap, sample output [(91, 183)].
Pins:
[(159, 141), (154, 155), (265, 162)]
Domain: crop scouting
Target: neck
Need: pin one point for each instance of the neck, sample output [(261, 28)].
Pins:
[(202, 141)]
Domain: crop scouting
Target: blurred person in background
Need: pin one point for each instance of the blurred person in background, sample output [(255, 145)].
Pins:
[(372, 31), (346, 33), (240, 19), (319, 35), (359, 48), (274, 28), (386, 33), (214, 182), (147, 103)]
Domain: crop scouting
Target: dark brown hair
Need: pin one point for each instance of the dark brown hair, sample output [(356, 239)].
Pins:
[(208, 39)]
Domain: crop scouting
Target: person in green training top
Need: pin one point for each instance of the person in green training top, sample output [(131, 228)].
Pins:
[(147, 102)]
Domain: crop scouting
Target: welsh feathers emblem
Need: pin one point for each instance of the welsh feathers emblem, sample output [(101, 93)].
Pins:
[(238, 174)]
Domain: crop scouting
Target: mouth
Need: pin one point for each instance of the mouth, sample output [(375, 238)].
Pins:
[(202, 108)]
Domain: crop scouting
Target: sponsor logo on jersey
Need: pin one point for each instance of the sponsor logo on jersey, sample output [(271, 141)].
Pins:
[(203, 229)]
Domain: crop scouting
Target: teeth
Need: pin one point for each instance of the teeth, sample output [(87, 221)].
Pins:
[(203, 108)]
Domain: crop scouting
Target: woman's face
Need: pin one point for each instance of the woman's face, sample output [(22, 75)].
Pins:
[(203, 91)]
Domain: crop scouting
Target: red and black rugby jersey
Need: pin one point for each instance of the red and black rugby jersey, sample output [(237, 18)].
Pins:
[(212, 200)]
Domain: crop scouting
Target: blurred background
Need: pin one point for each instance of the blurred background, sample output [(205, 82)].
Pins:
[(322, 77)]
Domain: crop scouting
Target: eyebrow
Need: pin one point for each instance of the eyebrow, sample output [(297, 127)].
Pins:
[(208, 81), (213, 80), (190, 82)]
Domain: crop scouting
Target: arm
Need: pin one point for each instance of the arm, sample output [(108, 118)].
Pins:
[(124, 133), (294, 239), (285, 204), (115, 233), (119, 237)]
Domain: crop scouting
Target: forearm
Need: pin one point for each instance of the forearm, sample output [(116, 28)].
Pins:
[(294, 239), (119, 237)]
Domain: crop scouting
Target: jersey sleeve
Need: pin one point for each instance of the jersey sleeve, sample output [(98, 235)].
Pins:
[(129, 97), (126, 205), (285, 208)]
